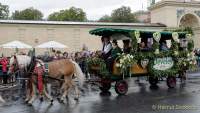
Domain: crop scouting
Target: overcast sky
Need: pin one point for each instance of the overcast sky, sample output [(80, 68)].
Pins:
[(93, 8)]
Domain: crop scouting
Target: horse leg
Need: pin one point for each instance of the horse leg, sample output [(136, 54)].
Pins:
[(33, 97), (61, 90), (48, 95), (65, 88), (28, 91), (77, 92)]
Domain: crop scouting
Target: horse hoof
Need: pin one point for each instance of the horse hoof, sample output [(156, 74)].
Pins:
[(67, 97), (41, 99), (76, 98), (61, 101), (51, 102), (26, 101), (29, 104)]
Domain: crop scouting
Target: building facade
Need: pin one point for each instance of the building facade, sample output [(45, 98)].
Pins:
[(143, 16), (72, 34), (177, 14)]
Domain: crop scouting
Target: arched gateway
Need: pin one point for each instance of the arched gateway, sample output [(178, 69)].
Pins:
[(178, 13), (189, 20)]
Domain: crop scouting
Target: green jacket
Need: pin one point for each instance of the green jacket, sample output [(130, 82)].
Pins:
[(115, 51)]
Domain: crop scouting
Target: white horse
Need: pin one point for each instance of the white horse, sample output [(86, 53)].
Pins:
[(57, 69)]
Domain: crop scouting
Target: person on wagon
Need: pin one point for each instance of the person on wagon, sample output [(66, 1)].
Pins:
[(163, 46), (126, 46), (114, 54), (107, 47)]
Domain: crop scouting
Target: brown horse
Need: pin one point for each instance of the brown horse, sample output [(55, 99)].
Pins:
[(59, 69)]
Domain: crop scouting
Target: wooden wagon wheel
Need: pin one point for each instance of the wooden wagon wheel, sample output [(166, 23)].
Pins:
[(153, 81), (171, 81), (121, 87), (105, 85)]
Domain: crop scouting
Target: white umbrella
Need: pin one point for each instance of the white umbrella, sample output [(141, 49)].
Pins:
[(51, 44), (15, 44)]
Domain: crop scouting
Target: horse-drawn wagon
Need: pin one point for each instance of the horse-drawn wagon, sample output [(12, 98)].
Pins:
[(154, 61)]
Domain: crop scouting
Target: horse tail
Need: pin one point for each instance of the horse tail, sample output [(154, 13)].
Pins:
[(78, 73)]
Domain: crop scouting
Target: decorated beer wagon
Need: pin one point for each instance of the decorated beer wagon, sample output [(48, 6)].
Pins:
[(151, 62)]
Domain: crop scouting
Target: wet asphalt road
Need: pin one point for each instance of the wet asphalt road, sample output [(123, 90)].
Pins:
[(141, 98)]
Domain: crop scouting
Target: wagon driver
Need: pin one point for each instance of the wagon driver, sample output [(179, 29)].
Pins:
[(107, 47)]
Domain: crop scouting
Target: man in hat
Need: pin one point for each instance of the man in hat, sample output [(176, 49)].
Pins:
[(107, 47)]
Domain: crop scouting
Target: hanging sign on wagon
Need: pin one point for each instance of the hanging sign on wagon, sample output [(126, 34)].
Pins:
[(163, 63)]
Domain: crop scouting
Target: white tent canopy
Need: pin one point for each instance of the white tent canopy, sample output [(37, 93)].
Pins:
[(16, 44), (51, 44)]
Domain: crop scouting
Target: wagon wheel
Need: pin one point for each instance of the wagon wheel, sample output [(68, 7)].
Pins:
[(105, 85), (171, 82), (121, 87), (153, 81)]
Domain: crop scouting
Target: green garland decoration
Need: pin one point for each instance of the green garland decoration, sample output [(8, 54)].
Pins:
[(103, 71), (133, 42), (159, 73), (173, 52), (180, 58), (190, 45)]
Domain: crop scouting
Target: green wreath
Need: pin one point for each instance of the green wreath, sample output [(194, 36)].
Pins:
[(159, 73)]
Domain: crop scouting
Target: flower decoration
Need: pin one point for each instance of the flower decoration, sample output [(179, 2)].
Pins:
[(176, 53), (189, 36), (157, 36), (125, 61), (175, 36), (137, 36), (157, 51)]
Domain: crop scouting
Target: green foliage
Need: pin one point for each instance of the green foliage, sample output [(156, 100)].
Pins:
[(159, 73), (188, 30), (4, 11), (174, 53), (133, 42), (99, 63), (190, 45), (71, 14), (155, 45), (105, 18), (27, 14), (174, 46), (122, 14)]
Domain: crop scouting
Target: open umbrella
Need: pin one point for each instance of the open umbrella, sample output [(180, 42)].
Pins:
[(51, 44), (15, 44)]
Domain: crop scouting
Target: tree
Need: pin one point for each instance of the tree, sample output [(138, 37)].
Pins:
[(105, 18), (4, 11), (27, 14), (71, 14), (123, 14)]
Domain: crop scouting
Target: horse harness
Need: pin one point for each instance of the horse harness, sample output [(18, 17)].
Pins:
[(30, 68)]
